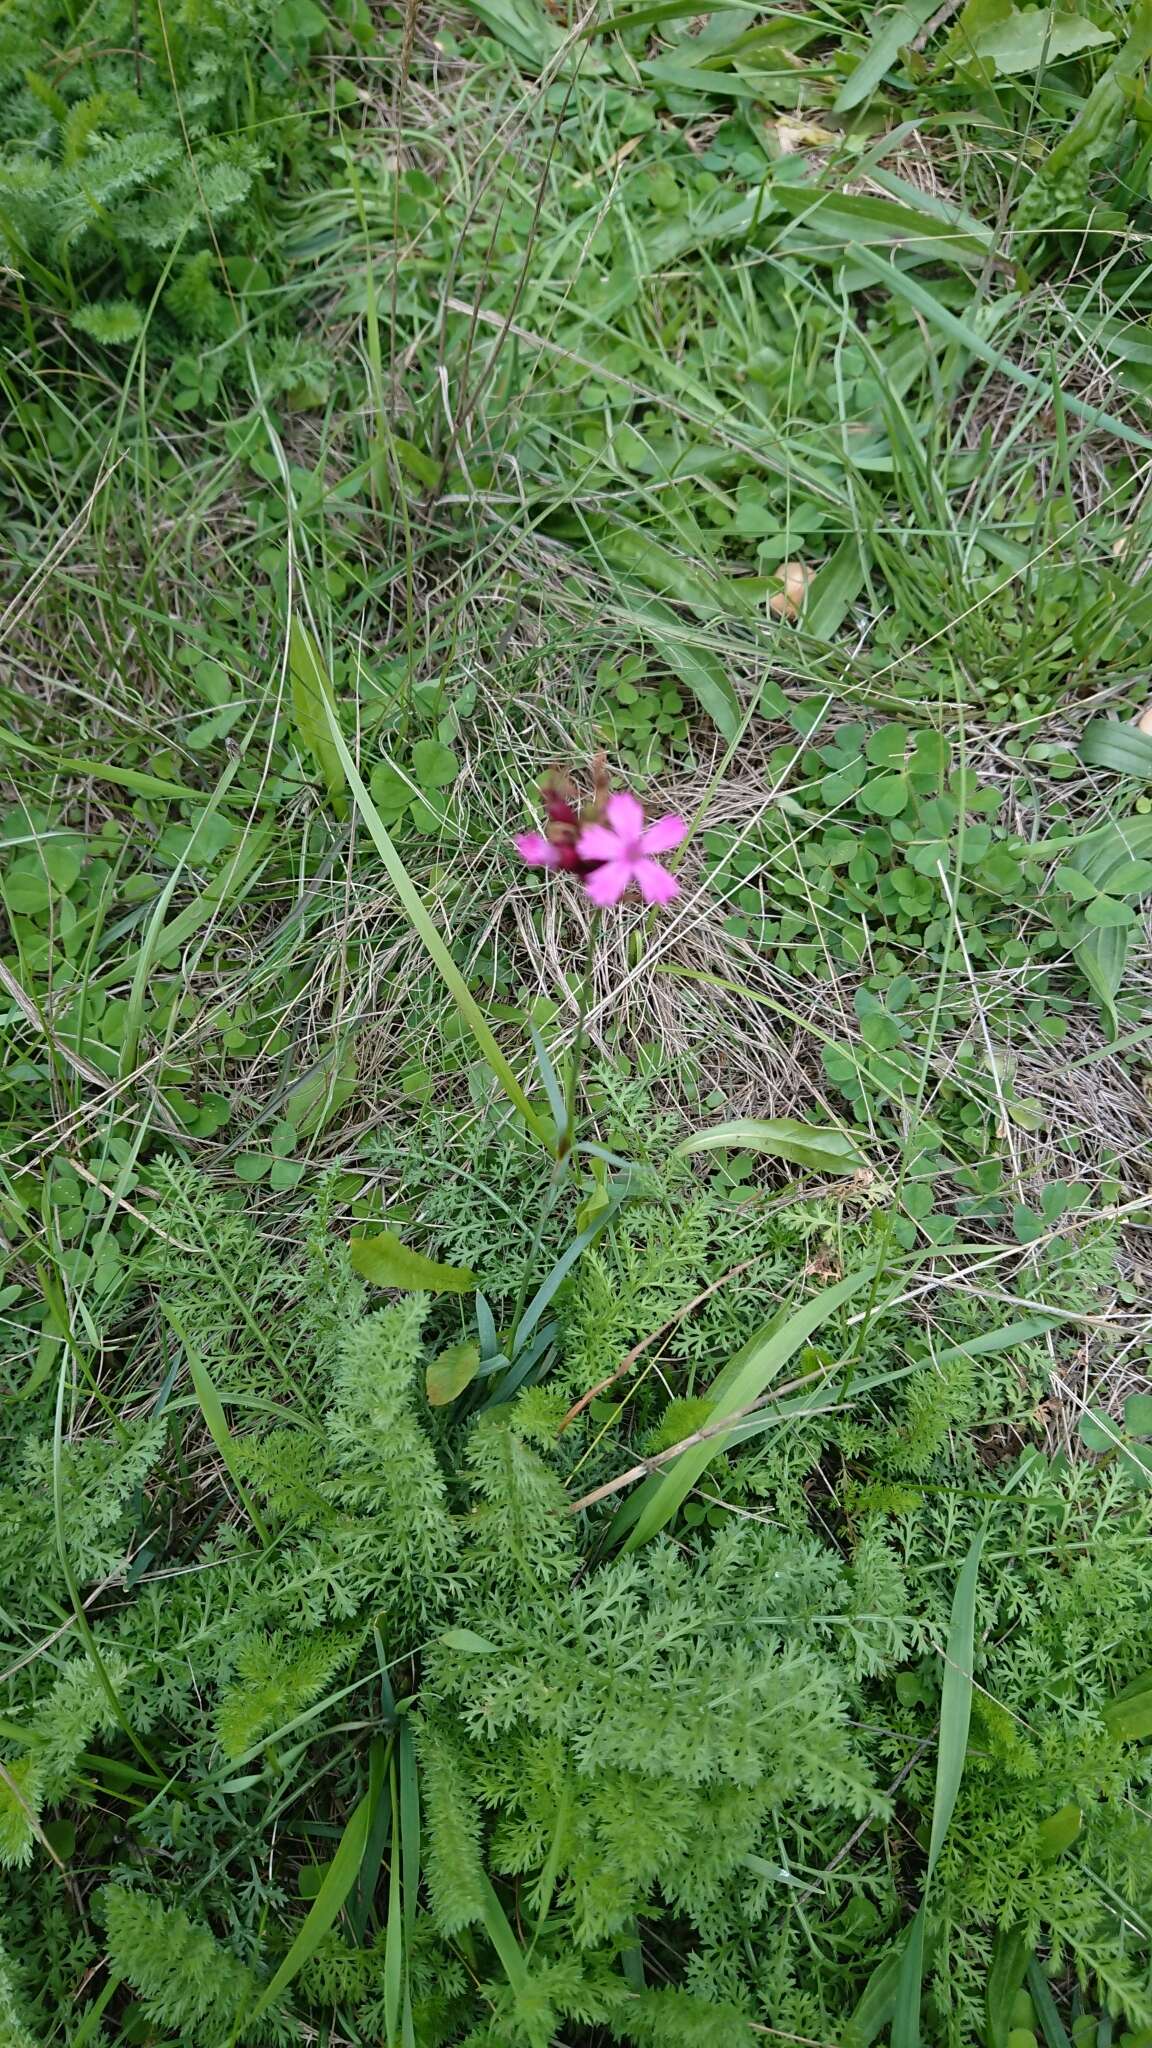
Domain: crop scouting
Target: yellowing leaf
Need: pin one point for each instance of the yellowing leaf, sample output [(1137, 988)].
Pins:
[(386, 1262), (788, 602), (449, 1374), (796, 135)]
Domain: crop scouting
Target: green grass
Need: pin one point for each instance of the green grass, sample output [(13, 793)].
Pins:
[(450, 410)]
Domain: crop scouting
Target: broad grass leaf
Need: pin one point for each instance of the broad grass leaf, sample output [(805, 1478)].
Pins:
[(854, 218), (816, 1147), (702, 672), (645, 17), (386, 1261), (338, 1882), (876, 2004), (893, 31), (835, 587), (741, 1383), (1101, 958)]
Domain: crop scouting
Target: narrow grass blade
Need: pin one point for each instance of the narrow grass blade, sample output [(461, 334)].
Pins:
[(308, 711), (955, 1700), (134, 779), (394, 1936), (409, 1826), (551, 1080), (1040, 1992), (546, 1292), (502, 1938), (212, 1410), (1005, 1339), (894, 31), (738, 1387), (926, 303), (952, 1749), (338, 1881), (360, 1904), (303, 651)]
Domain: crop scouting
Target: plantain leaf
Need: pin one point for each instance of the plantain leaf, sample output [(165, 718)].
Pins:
[(1123, 748), (817, 1147), (449, 1374)]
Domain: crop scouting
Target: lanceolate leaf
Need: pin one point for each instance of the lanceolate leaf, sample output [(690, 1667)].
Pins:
[(817, 1147), (1005, 1976), (309, 687), (1123, 748)]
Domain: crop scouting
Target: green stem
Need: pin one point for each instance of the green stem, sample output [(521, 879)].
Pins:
[(568, 1135)]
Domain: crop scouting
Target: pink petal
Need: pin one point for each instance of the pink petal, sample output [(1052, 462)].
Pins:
[(655, 883), (625, 814), (536, 850), (607, 884), (664, 835), (596, 842)]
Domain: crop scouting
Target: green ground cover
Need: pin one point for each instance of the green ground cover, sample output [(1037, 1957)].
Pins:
[(478, 1567)]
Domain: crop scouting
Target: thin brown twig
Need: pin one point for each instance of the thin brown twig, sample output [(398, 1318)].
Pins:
[(905, 1771), (699, 1436), (638, 1350), (937, 22)]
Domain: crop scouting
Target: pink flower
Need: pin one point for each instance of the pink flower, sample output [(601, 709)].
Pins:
[(622, 850), (536, 850)]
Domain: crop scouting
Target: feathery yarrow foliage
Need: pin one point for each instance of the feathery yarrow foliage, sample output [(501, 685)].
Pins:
[(650, 1797)]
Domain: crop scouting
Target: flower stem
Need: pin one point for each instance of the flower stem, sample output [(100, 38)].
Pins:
[(576, 1060)]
